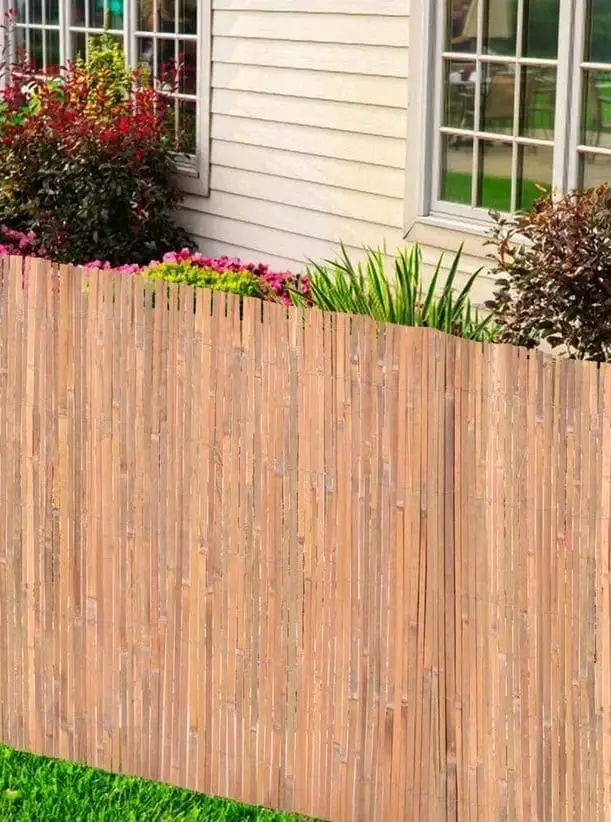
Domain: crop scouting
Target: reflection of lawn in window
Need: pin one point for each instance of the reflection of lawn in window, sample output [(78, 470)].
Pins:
[(604, 90), (457, 189)]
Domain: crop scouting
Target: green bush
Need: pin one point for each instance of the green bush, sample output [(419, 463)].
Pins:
[(244, 283), (553, 270), (399, 297)]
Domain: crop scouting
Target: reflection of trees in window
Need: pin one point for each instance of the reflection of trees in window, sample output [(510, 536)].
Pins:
[(598, 40), (166, 42), (541, 28)]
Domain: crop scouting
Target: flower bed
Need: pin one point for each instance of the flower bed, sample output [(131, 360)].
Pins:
[(185, 266)]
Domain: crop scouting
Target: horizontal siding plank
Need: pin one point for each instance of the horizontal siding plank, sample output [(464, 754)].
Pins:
[(218, 248), (263, 241), (379, 61), (378, 120), (311, 27), (427, 234), (294, 220), (310, 168), (317, 85), (394, 8), (322, 142), (341, 202)]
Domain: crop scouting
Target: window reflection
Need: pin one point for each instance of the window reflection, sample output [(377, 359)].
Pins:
[(595, 169), (540, 25), (598, 41), (494, 176), (493, 104), (596, 109), (456, 170), (462, 31)]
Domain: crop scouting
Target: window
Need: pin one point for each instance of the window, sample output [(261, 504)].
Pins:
[(157, 33), (521, 93)]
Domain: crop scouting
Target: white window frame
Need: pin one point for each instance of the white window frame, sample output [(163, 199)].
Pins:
[(426, 101), (193, 171)]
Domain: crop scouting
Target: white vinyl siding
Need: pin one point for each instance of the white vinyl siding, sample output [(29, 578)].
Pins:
[(308, 128)]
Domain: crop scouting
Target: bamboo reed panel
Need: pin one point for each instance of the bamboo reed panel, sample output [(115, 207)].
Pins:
[(360, 572)]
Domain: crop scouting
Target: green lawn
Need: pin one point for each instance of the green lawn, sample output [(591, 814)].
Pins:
[(496, 191), (38, 789)]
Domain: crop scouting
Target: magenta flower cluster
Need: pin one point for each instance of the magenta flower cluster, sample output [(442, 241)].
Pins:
[(18, 243), (133, 268), (280, 282)]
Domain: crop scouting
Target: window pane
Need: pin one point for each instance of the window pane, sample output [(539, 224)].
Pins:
[(596, 108), (500, 18), (36, 48), (595, 170), (497, 106), (78, 12), (537, 102), (20, 11), (456, 169), (145, 53), (494, 176), (541, 22), (166, 15), (534, 173), (20, 45), (598, 40), (188, 60), (79, 45), (461, 25), (115, 14), (35, 11), (170, 117), (96, 14), (145, 15), (187, 127), (187, 16), (166, 59), (459, 95), (52, 9), (53, 60)]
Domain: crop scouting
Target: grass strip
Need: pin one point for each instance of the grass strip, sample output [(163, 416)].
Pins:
[(37, 788)]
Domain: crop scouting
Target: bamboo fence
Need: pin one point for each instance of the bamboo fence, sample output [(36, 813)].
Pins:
[(356, 571)]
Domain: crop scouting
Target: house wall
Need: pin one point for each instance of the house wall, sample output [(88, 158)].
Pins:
[(309, 131)]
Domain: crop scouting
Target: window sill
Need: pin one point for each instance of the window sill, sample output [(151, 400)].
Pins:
[(186, 170), (192, 179), (448, 232), (475, 227)]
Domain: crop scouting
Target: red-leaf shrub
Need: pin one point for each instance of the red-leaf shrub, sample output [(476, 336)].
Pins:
[(553, 269), (89, 171)]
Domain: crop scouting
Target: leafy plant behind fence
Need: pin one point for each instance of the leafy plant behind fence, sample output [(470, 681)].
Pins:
[(399, 296), (553, 274)]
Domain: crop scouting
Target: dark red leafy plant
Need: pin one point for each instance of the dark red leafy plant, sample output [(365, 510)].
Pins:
[(553, 274)]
